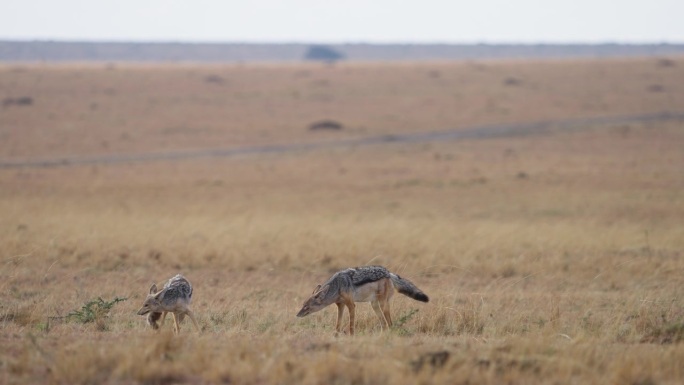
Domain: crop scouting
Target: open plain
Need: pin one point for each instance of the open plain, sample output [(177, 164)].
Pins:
[(552, 257)]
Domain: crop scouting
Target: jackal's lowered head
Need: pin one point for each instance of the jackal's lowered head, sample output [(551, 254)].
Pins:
[(319, 299), (152, 302)]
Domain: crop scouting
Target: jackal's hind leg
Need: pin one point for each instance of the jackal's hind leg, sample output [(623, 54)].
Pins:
[(385, 300), (386, 311), (176, 326), (194, 322), (379, 313)]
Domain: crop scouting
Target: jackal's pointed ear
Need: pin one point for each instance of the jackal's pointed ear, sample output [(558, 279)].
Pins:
[(153, 288), (322, 292), (318, 287)]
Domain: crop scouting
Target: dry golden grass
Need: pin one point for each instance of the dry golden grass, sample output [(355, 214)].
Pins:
[(96, 109), (554, 258)]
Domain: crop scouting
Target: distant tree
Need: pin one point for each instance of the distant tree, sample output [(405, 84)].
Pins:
[(322, 53)]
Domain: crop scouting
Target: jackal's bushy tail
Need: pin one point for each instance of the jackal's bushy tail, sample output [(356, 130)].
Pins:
[(407, 288)]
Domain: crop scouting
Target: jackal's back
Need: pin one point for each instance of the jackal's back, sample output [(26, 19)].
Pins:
[(176, 289), (355, 277), (365, 274)]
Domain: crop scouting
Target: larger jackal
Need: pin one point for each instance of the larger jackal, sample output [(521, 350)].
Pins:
[(173, 298), (374, 284)]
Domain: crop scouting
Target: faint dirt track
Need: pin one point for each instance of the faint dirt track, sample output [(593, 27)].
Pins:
[(476, 132)]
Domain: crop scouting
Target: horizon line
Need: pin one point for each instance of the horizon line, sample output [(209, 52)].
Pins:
[(348, 42)]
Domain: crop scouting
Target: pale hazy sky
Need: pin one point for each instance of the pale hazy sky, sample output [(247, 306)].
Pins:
[(379, 21)]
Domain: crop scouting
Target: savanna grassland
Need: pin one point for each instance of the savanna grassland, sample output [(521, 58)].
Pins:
[(550, 258)]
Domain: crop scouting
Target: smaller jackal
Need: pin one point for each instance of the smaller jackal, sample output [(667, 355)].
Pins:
[(374, 284), (173, 298)]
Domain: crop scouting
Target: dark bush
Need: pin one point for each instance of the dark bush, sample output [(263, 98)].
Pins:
[(20, 101), (325, 125), (322, 53)]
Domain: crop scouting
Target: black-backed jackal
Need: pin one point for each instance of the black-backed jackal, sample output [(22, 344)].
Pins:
[(374, 284), (173, 298)]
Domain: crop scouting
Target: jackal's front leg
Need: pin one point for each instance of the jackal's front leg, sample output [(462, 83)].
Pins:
[(352, 316), (340, 313)]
